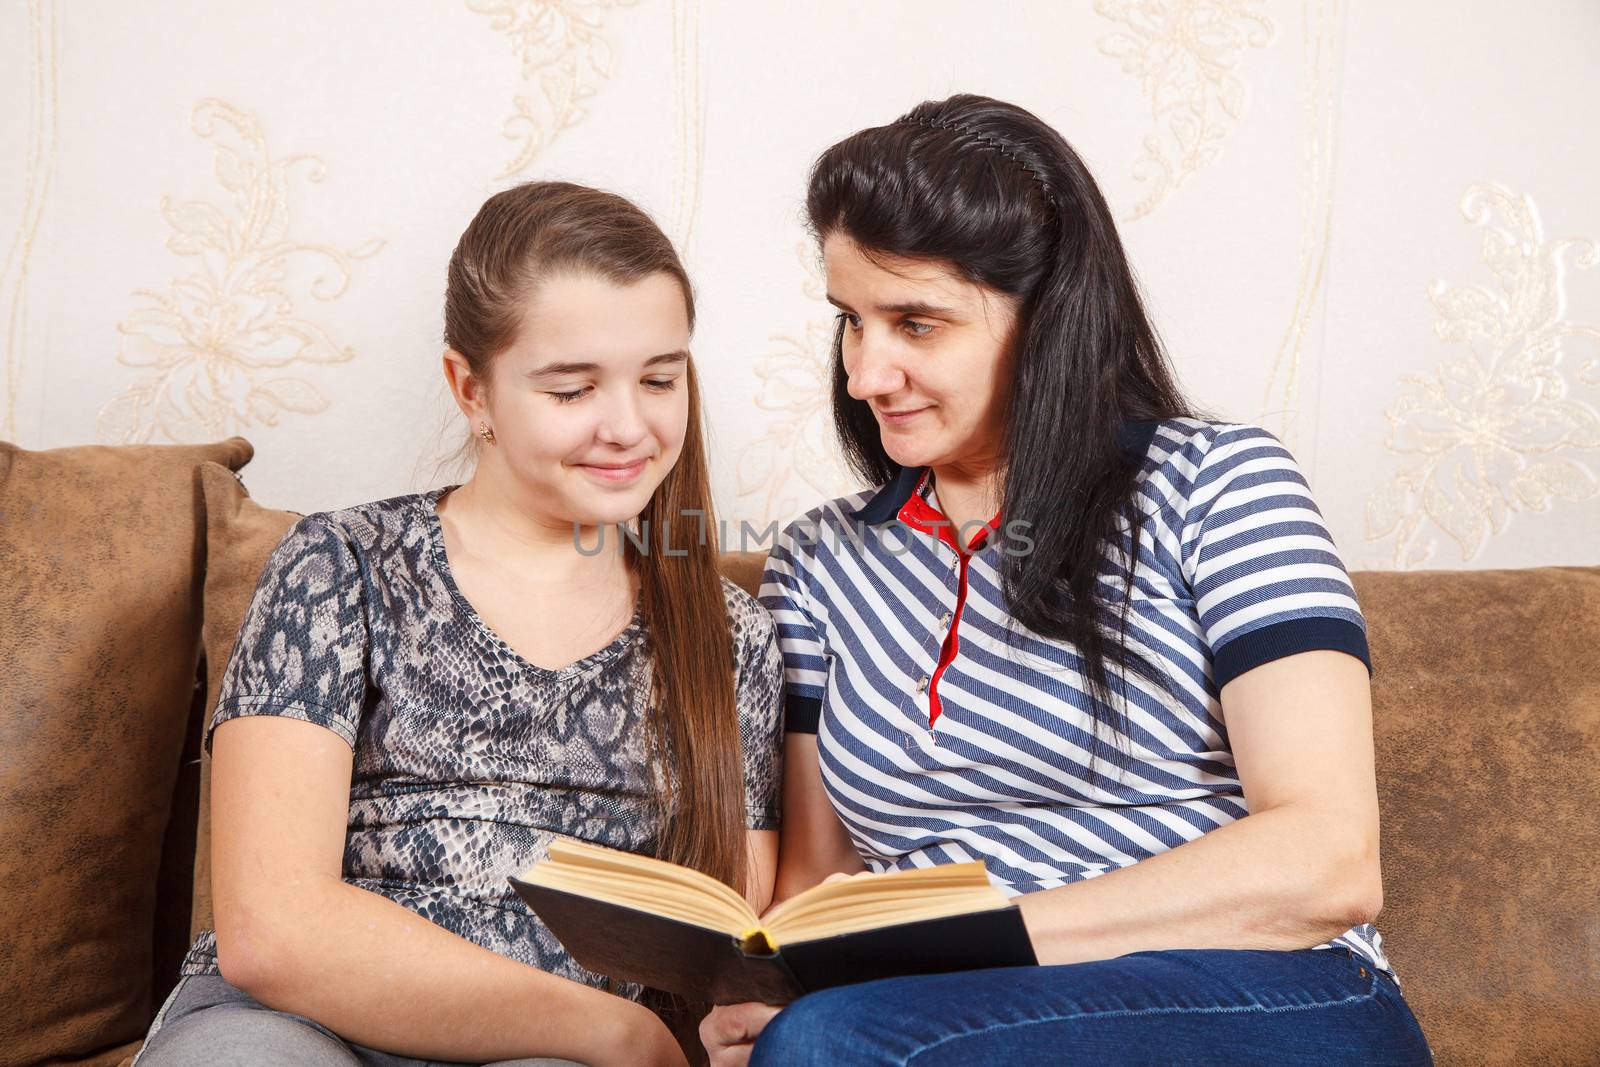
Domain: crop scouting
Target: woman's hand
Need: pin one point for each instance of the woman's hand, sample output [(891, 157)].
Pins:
[(841, 876), (837, 877), (730, 1031)]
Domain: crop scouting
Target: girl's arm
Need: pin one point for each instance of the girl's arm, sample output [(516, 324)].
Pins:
[(294, 935), (762, 846), (1300, 869), (814, 842)]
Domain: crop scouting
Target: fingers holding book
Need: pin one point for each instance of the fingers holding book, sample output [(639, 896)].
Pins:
[(841, 876), (838, 876), (729, 1032)]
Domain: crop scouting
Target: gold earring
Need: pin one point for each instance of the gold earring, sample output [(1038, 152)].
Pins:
[(485, 433)]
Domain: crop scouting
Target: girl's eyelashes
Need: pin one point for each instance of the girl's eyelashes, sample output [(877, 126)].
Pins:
[(853, 321), (659, 385)]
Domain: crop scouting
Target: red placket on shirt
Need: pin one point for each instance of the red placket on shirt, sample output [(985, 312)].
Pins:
[(921, 515)]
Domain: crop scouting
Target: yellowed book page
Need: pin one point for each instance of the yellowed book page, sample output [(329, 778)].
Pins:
[(897, 906), (884, 900), (643, 883), (675, 892)]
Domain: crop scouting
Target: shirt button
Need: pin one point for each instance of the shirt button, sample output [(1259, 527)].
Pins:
[(944, 620), (922, 685)]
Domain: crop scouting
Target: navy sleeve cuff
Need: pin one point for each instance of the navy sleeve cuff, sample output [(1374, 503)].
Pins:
[(800, 715), (1287, 638)]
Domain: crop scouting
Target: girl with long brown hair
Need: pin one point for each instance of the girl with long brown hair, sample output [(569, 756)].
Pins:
[(426, 690)]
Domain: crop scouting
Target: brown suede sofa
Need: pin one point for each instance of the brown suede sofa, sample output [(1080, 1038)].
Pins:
[(124, 573)]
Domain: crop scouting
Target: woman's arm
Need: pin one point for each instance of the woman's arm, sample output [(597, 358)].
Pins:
[(295, 936), (814, 843), (1301, 868)]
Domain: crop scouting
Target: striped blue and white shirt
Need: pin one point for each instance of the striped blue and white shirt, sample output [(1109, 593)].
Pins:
[(948, 732)]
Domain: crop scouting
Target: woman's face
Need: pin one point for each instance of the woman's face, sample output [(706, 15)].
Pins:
[(590, 404), (928, 350)]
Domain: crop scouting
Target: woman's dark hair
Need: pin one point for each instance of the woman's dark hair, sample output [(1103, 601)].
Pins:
[(989, 190)]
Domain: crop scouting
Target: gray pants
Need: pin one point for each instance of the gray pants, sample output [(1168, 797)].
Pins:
[(207, 1022)]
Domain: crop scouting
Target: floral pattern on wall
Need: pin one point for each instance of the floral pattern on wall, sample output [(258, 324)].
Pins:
[(1282, 405), (38, 157), (1186, 55), (564, 52), (1505, 426), (226, 346)]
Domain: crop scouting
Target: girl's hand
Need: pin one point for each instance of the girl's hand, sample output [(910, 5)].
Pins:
[(730, 1031)]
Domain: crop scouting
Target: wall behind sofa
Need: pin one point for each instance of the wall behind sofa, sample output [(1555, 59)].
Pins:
[(1369, 227)]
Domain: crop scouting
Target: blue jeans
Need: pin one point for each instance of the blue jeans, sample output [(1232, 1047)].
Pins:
[(1188, 1006)]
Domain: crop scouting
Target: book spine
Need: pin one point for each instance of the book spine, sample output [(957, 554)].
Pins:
[(767, 976)]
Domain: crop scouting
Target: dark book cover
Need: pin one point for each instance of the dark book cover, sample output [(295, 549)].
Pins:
[(709, 966)]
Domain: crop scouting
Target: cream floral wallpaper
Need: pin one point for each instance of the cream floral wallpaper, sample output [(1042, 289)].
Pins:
[(1369, 227), (226, 347)]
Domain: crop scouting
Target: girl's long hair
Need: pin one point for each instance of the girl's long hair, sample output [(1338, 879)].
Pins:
[(989, 190), (519, 237)]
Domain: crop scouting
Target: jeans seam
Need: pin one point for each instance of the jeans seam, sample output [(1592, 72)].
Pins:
[(1123, 1012)]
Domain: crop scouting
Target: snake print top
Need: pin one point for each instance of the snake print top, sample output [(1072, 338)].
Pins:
[(468, 759)]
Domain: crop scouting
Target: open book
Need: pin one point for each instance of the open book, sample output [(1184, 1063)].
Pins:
[(639, 919)]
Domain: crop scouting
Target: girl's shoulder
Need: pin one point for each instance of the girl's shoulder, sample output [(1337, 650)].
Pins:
[(750, 623), (368, 532), (368, 525)]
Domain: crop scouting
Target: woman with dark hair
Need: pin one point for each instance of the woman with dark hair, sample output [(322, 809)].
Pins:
[(427, 689), (1077, 632)]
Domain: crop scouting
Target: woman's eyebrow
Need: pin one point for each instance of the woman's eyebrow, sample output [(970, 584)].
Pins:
[(551, 370), (910, 307)]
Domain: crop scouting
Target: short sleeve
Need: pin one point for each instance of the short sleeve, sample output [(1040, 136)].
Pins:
[(758, 693), (1266, 577), (302, 649), (805, 668)]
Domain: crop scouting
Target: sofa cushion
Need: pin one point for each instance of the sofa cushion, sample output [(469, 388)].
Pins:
[(743, 569), (1486, 706), (240, 535), (99, 635)]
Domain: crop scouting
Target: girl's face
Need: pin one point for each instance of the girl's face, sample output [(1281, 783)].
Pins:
[(928, 350), (590, 404)]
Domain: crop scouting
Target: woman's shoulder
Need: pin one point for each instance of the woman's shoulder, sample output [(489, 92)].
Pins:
[(1187, 455), (837, 512), (1194, 438)]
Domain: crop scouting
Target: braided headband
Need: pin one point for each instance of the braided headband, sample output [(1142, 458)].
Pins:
[(983, 140)]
